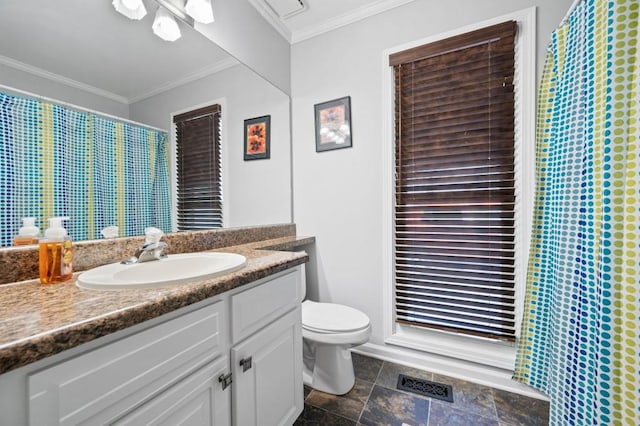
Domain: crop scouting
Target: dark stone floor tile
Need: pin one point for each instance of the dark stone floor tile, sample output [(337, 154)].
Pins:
[(310, 415), (388, 376), (317, 416), (335, 420), (443, 414), (469, 397), (349, 405), (366, 368), (515, 409), (389, 407)]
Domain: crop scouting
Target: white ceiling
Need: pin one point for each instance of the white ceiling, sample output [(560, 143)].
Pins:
[(91, 44), (321, 16)]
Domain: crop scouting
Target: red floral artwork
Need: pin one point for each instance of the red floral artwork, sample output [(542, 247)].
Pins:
[(256, 138)]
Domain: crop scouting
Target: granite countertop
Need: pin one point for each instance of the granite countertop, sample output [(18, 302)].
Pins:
[(37, 321)]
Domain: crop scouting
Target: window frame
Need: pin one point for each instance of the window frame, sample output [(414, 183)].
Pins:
[(481, 350)]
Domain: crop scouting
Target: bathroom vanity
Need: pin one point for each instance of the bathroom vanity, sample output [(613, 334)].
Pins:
[(222, 351)]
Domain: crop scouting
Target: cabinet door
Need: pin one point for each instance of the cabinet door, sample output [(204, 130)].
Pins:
[(101, 385), (269, 390), (196, 400)]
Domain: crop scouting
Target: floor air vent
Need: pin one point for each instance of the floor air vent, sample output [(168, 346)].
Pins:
[(425, 387)]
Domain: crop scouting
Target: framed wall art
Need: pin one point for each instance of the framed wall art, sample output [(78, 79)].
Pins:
[(333, 124), (257, 138)]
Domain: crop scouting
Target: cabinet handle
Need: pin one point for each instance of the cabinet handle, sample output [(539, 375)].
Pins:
[(245, 363), (225, 380)]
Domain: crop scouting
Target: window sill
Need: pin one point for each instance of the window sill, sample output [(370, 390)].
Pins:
[(482, 351)]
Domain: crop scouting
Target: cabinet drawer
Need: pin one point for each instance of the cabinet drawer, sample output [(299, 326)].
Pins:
[(197, 400), (113, 379), (254, 308)]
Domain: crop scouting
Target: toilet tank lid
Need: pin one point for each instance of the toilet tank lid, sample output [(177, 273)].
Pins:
[(332, 317)]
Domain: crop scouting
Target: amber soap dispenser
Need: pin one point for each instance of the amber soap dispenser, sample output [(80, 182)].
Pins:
[(55, 251)]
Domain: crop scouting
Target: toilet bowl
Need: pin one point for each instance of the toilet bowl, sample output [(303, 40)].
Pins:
[(329, 331)]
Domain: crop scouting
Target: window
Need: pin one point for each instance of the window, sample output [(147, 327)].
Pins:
[(455, 184), (199, 188)]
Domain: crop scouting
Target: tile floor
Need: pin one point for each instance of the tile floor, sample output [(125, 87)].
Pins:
[(374, 400)]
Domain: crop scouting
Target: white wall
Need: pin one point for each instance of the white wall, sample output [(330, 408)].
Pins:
[(28, 82), (337, 194), (256, 192), (243, 32)]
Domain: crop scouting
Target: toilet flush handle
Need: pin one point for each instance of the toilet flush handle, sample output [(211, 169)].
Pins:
[(245, 363)]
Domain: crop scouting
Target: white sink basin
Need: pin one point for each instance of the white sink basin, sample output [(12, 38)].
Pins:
[(175, 269)]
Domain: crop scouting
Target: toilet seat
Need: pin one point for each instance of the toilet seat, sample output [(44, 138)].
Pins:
[(332, 318), (351, 338)]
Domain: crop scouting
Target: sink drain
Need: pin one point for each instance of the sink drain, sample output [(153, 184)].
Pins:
[(425, 387)]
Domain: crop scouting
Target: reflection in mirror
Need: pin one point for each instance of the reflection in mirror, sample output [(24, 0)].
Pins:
[(85, 54), (61, 162)]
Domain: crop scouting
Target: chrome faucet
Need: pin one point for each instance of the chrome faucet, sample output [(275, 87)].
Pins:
[(152, 249)]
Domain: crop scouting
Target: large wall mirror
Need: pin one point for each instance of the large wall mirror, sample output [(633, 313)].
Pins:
[(83, 53)]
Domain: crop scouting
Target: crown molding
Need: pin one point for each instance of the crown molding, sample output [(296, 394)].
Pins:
[(344, 19), (270, 16), (60, 79), (204, 72), (217, 67)]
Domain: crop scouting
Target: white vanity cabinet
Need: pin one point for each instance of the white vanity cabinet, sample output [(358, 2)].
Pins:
[(262, 391), (196, 400), (179, 371), (267, 361), (101, 385)]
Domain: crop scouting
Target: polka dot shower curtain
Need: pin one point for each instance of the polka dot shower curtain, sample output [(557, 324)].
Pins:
[(58, 161), (580, 339)]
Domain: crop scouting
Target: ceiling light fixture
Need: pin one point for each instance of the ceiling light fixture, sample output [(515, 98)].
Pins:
[(165, 26), (200, 10), (132, 9)]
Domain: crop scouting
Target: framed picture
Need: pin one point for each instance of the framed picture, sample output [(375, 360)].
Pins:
[(333, 124), (257, 138)]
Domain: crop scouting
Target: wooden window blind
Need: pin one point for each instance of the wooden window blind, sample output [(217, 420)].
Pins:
[(198, 169), (454, 185)]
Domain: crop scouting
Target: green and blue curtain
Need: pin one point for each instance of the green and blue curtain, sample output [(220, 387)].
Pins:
[(580, 339), (57, 161)]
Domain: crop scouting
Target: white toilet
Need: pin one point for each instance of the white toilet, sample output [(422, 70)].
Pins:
[(328, 331)]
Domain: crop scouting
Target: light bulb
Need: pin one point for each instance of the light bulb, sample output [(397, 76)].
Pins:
[(132, 4), (165, 26), (200, 10), (132, 9)]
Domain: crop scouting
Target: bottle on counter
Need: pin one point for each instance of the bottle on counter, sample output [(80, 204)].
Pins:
[(56, 255), (28, 234)]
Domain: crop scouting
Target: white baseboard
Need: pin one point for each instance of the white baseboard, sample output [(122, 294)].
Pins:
[(459, 369)]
